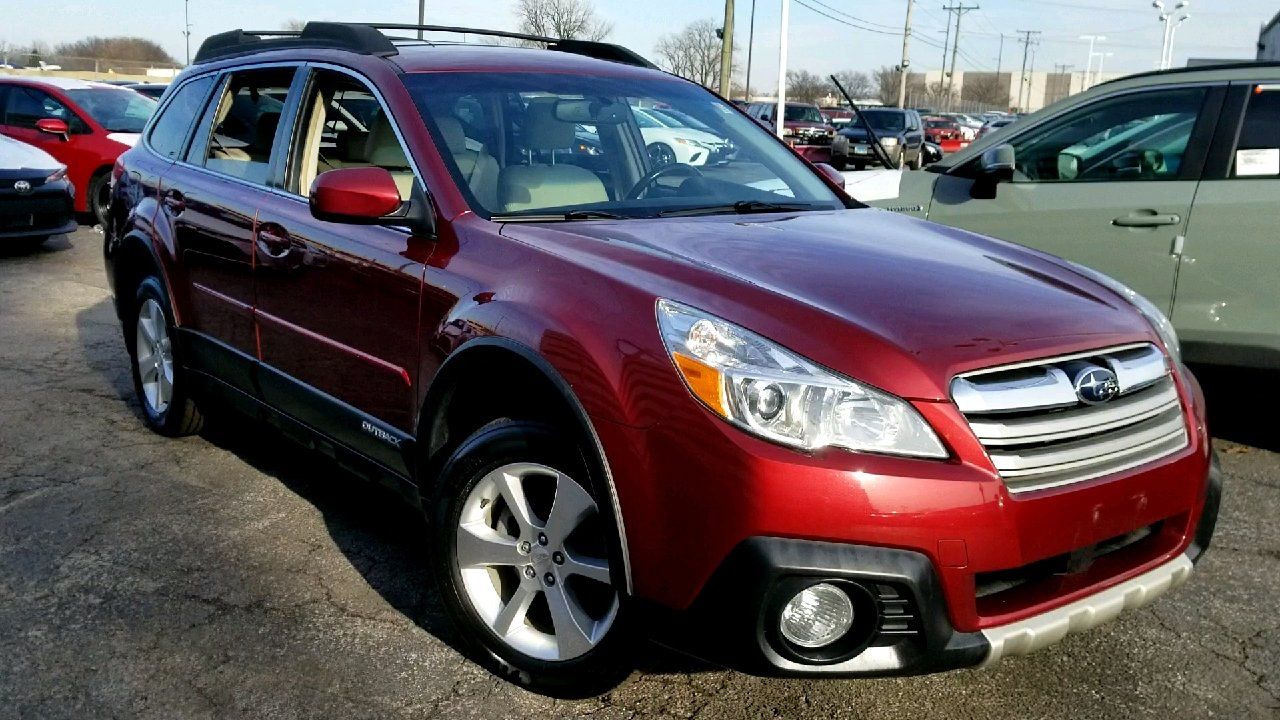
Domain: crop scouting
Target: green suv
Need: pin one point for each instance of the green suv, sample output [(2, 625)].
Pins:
[(1168, 181)]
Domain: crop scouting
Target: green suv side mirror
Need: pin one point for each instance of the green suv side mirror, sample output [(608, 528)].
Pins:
[(996, 165)]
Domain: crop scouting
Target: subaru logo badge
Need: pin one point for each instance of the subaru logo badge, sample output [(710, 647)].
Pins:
[(22, 186), (1095, 385)]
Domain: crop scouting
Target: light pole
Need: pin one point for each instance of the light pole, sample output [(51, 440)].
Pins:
[(422, 15), (779, 127), (906, 59), (1172, 32), (1166, 56), (1102, 56), (1088, 70), (186, 26), (751, 40)]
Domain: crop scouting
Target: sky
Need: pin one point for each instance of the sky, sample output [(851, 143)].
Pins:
[(1216, 28)]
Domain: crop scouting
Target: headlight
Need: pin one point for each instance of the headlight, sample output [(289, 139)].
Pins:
[(773, 393), (1154, 315), (889, 141), (695, 143), (57, 175)]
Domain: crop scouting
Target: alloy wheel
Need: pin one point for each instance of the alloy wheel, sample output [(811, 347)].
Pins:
[(154, 354), (533, 559), (661, 155)]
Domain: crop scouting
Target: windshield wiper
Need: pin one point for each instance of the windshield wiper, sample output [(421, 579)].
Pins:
[(559, 217), (742, 207)]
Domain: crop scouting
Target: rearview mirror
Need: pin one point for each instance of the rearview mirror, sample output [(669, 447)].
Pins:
[(832, 174), (53, 126), (590, 112)]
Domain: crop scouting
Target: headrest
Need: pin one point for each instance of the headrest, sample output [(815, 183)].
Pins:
[(383, 148), (545, 131), (454, 138)]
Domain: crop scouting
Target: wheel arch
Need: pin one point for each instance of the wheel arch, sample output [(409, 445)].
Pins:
[(492, 377)]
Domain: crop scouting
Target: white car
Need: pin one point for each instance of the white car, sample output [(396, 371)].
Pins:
[(670, 142)]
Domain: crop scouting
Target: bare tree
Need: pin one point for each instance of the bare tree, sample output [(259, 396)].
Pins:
[(115, 48), (693, 53), (804, 86), (294, 25), (886, 80), (565, 19), (857, 84), (986, 88)]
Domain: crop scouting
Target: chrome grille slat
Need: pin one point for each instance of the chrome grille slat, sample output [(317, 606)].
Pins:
[(1039, 438), (1086, 421)]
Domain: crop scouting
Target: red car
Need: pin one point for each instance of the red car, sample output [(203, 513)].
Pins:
[(804, 128), (944, 133), (84, 125), (726, 407)]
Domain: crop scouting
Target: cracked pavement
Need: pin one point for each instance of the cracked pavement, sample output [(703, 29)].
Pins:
[(235, 575)]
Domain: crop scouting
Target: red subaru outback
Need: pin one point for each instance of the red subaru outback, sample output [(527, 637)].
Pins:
[(726, 404)]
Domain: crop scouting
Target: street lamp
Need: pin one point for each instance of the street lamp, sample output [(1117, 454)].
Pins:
[(1166, 49), (186, 26), (1088, 71)]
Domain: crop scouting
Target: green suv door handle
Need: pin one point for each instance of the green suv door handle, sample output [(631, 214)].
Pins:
[(1147, 218)]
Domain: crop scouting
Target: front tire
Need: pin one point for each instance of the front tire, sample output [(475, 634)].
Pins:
[(523, 561), (661, 155), (100, 198), (158, 379)]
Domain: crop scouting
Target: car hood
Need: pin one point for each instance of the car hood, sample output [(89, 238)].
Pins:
[(831, 284), (19, 157)]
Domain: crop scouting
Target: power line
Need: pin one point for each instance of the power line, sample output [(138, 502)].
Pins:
[(842, 21), (855, 18)]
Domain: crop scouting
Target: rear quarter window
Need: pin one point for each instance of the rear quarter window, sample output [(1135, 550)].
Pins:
[(173, 126)]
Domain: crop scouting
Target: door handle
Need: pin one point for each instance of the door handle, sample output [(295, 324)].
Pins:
[(1147, 218), (174, 202), (273, 240)]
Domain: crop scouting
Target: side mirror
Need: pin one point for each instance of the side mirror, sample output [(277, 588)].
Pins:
[(832, 174), (357, 195), (53, 126), (998, 160)]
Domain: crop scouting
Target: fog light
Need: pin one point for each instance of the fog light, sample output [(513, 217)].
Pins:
[(817, 616)]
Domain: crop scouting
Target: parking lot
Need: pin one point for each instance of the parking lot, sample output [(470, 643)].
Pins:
[(235, 575)]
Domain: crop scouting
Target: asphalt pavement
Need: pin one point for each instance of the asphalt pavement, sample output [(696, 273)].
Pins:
[(235, 575)]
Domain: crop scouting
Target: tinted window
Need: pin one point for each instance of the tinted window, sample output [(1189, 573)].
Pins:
[(169, 134), (115, 109), (27, 105), (1140, 136), (1258, 150), (886, 121), (245, 123), (803, 113)]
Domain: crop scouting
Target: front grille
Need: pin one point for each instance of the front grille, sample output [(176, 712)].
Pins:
[(1039, 434)]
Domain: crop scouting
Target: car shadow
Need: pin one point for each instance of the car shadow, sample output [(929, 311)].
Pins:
[(382, 536), (55, 244), (1235, 398)]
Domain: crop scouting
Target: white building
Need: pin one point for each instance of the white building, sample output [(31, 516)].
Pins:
[(1269, 40), (976, 90)]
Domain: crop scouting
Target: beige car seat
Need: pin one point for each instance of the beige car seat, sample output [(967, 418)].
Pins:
[(477, 166), (536, 186)]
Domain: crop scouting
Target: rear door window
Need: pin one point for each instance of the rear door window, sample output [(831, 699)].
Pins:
[(173, 126), (246, 123), (1258, 148)]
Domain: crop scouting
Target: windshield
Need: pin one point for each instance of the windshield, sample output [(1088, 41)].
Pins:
[(882, 121), (557, 146), (938, 123), (117, 110), (804, 113)]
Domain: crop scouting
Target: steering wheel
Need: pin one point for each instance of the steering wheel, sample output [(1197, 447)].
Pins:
[(641, 187)]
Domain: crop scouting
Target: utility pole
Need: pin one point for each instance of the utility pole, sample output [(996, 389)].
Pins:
[(906, 60), (1061, 68), (1166, 48), (1027, 42), (186, 26), (959, 10), (751, 41), (785, 24), (422, 15), (1000, 56), (726, 50), (1088, 68)]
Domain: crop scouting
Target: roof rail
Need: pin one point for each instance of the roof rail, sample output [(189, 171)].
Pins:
[(342, 36), (588, 48), (1197, 68), (367, 38)]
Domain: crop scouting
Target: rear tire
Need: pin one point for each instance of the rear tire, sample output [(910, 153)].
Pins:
[(859, 167), (523, 552), (158, 378), (917, 163)]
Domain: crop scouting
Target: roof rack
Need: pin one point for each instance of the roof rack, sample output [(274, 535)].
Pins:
[(341, 36), (1197, 68), (368, 39)]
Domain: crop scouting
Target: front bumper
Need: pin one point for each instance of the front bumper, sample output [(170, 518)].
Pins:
[(904, 626), (47, 209)]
